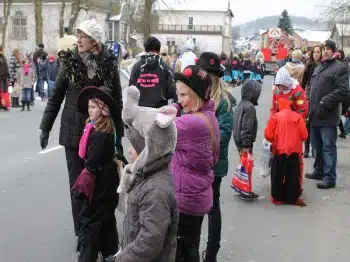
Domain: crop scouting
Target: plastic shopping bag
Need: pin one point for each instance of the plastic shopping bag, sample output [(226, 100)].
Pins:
[(242, 179), (266, 157)]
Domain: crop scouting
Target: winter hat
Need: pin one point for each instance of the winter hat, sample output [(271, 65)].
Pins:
[(331, 45), (91, 28), (52, 59), (188, 45), (152, 44), (151, 131), (211, 63), (102, 95), (164, 50), (197, 79), (283, 78)]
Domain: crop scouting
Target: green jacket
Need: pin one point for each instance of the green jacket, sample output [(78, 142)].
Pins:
[(225, 120)]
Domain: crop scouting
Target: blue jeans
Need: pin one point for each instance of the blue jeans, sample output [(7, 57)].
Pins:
[(27, 94), (41, 86), (324, 142), (347, 125)]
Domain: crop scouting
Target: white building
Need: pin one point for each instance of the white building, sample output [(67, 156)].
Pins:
[(204, 22), (21, 24)]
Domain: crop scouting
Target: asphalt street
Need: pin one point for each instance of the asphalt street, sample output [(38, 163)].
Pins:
[(36, 223)]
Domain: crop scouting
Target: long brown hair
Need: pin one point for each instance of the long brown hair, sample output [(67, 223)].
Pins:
[(103, 124), (312, 54), (17, 54)]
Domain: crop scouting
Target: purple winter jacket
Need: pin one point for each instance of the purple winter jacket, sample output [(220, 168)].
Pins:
[(193, 161)]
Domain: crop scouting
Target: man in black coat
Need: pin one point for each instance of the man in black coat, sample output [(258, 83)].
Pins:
[(329, 88), (155, 91), (90, 64)]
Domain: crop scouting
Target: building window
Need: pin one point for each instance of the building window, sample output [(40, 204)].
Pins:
[(1, 23), (190, 23), (19, 26), (110, 31)]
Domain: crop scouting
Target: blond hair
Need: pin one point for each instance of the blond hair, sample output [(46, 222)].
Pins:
[(219, 90), (297, 54), (198, 102), (103, 124)]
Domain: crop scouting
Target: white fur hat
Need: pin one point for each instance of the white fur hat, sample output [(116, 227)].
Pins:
[(91, 28)]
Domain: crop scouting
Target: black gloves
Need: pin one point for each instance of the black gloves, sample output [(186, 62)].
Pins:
[(44, 139)]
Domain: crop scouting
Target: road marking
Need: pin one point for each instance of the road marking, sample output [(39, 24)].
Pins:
[(50, 150)]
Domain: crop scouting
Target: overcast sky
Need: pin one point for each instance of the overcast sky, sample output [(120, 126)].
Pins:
[(247, 10)]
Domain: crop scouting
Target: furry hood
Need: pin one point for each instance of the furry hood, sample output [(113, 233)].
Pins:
[(152, 132)]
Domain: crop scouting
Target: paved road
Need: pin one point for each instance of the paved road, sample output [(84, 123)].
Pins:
[(36, 224)]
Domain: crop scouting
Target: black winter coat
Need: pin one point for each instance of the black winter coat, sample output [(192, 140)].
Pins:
[(329, 88), (72, 121)]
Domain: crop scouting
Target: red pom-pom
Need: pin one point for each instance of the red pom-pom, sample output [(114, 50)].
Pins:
[(187, 72)]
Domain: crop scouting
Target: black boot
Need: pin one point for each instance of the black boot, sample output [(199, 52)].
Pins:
[(23, 105), (28, 105), (306, 152)]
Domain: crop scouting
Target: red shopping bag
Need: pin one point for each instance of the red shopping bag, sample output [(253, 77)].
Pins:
[(242, 179), (5, 99)]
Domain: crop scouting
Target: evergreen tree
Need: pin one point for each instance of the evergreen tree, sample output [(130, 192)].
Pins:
[(285, 23)]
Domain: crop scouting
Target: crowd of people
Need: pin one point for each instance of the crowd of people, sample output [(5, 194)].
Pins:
[(179, 116), (22, 76)]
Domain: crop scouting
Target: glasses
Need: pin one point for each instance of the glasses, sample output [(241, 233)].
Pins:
[(81, 36)]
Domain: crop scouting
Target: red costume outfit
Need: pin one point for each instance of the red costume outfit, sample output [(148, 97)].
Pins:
[(286, 130)]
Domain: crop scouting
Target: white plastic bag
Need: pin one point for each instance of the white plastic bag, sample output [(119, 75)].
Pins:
[(266, 156)]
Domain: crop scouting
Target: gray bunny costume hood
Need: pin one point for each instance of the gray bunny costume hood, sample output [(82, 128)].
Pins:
[(151, 131)]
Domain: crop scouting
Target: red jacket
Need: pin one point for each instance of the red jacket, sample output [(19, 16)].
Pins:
[(286, 130), (298, 98)]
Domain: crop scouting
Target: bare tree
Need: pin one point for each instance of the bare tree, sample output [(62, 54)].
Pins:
[(7, 9), (38, 15), (61, 23), (77, 5)]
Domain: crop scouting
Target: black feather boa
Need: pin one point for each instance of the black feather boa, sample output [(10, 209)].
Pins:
[(76, 71)]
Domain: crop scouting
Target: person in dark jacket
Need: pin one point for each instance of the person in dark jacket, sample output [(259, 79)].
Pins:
[(153, 77), (38, 54), (247, 66), (96, 184), (329, 87), (224, 103), (4, 76), (245, 125), (52, 74), (43, 75), (315, 61), (341, 58), (151, 219), (236, 69), (89, 64), (60, 55)]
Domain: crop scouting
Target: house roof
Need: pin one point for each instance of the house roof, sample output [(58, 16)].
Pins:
[(194, 5), (314, 36), (343, 29)]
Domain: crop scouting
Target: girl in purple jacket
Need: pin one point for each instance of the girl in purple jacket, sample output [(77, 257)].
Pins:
[(196, 153)]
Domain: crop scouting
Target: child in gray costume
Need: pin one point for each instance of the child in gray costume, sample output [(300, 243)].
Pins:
[(150, 224)]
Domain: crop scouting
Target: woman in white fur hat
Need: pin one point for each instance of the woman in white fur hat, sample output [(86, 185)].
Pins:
[(89, 64)]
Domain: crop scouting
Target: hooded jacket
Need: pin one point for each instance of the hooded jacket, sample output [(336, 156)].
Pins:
[(245, 121), (193, 161), (72, 121), (150, 223), (155, 98), (296, 70), (286, 130)]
